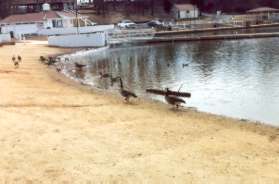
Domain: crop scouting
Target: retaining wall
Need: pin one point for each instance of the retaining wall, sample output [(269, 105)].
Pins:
[(78, 40)]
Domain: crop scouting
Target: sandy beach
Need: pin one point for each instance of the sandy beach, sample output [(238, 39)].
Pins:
[(53, 130)]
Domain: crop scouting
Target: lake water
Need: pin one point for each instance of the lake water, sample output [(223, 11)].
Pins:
[(233, 78)]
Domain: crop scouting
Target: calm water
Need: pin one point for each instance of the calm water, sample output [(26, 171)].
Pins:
[(233, 78)]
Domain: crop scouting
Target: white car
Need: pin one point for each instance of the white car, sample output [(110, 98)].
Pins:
[(126, 24)]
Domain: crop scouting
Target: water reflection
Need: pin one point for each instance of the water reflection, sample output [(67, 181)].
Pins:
[(234, 78)]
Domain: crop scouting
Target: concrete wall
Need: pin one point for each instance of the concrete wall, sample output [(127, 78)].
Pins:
[(73, 30), (186, 14), (4, 38), (20, 29), (78, 40)]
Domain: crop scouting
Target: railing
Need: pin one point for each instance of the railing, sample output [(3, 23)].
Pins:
[(85, 20), (124, 36)]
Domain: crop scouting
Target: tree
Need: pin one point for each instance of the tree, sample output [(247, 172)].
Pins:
[(200, 3), (152, 5), (100, 6), (167, 6)]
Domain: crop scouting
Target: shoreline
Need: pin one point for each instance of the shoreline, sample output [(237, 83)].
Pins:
[(61, 77), (54, 130), (104, 49), (64, 79)]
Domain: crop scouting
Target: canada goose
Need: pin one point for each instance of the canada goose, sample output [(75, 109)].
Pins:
[(42, 59), (50, 60), (19, 58), (126, 94), (104, 75), (16, 62), (59, 67), (185, 65), (113, 80), (173, 100), (79, 66), (13, 59), (57, 59)]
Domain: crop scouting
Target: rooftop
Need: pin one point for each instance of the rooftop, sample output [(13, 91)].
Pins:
[(36, 17), (263, 10), (182, 7), (26, 2)]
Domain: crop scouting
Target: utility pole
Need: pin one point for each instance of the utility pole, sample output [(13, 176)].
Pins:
[(77, 19)]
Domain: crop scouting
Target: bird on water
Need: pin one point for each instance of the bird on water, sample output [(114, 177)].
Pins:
[(104, 75), (114, 80), (79, 66), (19, 58)]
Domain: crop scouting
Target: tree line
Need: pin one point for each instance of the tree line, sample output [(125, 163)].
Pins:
[(134, 6)]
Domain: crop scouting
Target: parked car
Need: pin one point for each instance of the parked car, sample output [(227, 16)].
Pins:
[(126, 24), (158, 24), (155, 23)]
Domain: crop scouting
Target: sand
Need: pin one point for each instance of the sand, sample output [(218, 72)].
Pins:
[(55, 131)]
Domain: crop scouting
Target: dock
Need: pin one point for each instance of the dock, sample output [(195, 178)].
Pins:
[(204, 30), (212, 37), (172, 39), (220, 33)]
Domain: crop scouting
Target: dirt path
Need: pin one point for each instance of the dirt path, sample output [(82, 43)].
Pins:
[(52, 131)]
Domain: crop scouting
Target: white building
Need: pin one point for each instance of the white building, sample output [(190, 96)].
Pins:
[(35, 23), (185, 11), (5, 38)]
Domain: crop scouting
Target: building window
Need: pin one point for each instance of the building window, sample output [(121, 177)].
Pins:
[(57, 23)]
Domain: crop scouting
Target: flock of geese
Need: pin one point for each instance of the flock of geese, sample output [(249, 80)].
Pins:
[(126, 94), (16, 61)]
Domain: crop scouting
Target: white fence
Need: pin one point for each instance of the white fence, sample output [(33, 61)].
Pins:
[(5, 38), (124, 36), (73, 30), (78, 40)]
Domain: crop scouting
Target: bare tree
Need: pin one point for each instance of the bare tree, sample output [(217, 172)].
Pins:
[(167, 6), (100, 6)]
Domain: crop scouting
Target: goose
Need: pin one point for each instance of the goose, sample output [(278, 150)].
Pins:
[(59, 67), (58, 70), (50, 60), (42, 59), (79, 66), (126, 94), (19, 58), (58, 59), (13, 59), (104, 75), (16, 63), (113, 80), (173, 100), (185, 65)]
